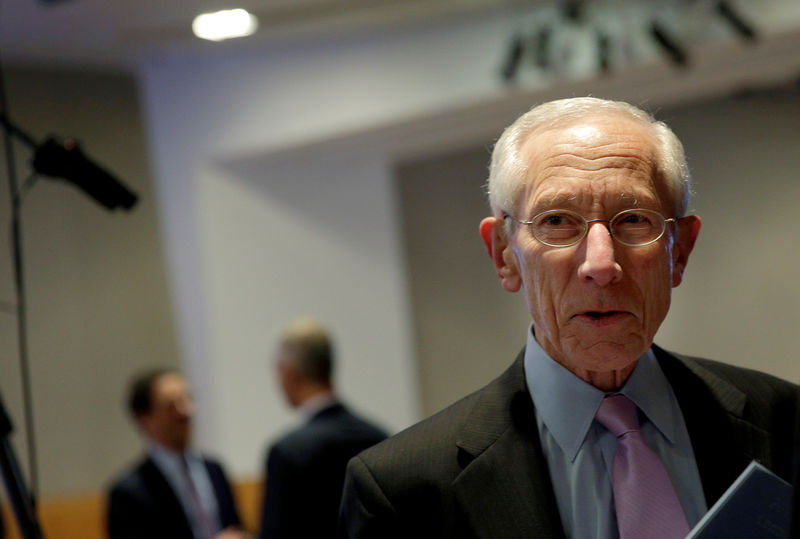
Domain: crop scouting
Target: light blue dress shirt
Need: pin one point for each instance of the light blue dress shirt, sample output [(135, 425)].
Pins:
[(169, 463), (580, 451)]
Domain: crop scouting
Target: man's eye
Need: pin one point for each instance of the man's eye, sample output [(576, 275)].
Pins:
[(632, 218), (635, 219), (554, 220), (558, 220)]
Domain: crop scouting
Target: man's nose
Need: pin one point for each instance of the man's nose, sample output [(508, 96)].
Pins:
[(600, 264)]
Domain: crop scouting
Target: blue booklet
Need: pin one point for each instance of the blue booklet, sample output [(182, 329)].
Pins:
[(758, 505)]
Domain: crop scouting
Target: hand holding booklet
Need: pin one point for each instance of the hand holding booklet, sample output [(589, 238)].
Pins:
[(757, 505)]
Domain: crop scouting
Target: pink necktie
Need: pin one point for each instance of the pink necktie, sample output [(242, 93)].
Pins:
[(647, 505)]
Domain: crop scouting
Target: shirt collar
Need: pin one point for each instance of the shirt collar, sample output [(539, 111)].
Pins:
[(169, 462), (167, 458), (567, 405), (649, 389)]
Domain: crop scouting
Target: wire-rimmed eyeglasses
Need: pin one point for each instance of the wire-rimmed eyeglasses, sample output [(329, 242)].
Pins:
[(634, 227)]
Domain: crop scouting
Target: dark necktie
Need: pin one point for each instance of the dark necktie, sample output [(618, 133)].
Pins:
[(646, 502)]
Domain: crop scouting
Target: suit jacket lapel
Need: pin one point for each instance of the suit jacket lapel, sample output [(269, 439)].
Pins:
[(165, 500), (505, 488), (723, 442), (226, 506)]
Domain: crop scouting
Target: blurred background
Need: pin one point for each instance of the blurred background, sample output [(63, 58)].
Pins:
[(332, 163)]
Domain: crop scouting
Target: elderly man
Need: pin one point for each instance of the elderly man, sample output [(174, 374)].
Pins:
[(593, 431), (173, 492)]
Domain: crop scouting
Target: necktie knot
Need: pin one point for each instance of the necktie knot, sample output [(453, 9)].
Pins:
[(618, 414)]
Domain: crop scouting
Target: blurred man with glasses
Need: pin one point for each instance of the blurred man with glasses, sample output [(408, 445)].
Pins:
[(593, 431)]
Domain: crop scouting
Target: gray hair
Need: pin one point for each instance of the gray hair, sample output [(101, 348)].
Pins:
[(507, 169)]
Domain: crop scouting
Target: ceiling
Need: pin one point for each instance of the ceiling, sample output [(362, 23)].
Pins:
[(111, 33)]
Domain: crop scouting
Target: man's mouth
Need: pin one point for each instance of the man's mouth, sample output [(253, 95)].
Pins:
[(603, 314), (603, 318)]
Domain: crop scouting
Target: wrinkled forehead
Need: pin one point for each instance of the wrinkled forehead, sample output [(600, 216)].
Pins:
[(563, 161)]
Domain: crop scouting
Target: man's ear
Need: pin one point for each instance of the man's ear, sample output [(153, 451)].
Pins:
[(687, 230), (497, 245)]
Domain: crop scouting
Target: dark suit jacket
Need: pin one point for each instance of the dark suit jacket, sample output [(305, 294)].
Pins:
[(142, 504), (476, 469), (305, 473)]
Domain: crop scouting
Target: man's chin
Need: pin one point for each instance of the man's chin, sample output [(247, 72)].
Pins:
[(616, 332), (182, 444), (606, 355)]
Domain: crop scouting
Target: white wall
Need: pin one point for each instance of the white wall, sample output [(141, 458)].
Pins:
[(468, 329), (739, 302), (298, 242)]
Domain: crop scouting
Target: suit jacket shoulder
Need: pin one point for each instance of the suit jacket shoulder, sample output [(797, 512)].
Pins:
[(734, 415), (226, 504), (305, 473), (331, 428), (747, 393), (475, 469)]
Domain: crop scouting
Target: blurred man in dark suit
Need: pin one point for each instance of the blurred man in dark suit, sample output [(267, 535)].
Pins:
[(305, 469), (172, 492)]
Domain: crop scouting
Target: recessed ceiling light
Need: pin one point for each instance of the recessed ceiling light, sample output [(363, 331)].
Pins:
[(224, 24)]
